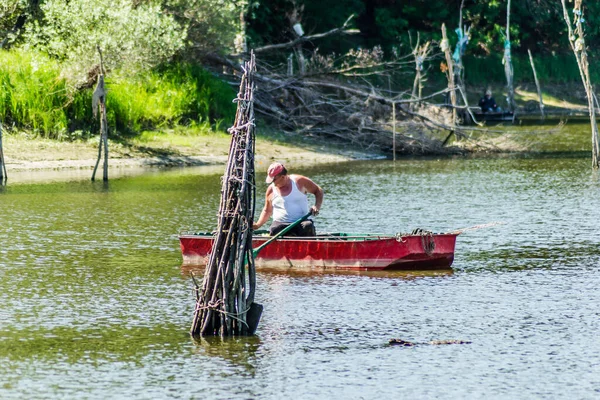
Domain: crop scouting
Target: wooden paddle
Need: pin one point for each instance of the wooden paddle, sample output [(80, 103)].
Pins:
[(283, 232)]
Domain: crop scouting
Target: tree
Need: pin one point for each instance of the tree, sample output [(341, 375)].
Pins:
[(132, 37), (13, 15), (211, 25)]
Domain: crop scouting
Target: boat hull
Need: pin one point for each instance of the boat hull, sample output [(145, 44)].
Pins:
[(363, 252)]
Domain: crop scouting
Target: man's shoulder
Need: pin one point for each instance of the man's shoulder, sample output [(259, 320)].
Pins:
[(300, 179)]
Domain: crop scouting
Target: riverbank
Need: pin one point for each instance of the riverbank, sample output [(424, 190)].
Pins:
[(164, 149), (199, 147)]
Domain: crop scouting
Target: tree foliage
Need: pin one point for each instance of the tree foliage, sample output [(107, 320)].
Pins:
[(211, 25), (10, 10), (535, 24), (131, 37)]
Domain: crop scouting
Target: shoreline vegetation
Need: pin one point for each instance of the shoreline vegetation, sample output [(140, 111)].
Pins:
[(324, 92)]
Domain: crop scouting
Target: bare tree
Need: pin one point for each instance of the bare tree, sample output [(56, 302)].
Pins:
[(577, 42), (507, 61), (99, 102), (537, 84)]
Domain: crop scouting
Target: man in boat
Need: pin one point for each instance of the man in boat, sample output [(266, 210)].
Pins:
[(286, 200), (488, 104)]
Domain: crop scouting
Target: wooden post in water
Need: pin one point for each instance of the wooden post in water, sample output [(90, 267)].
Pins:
[(225, 305), (537, 85), (3, 174), (577, 42), (99, 101), (394, 129)]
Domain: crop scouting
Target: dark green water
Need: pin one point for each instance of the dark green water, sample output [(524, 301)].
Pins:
[(94, 302)]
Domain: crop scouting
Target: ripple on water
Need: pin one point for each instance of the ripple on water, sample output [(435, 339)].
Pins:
[(95, 304)]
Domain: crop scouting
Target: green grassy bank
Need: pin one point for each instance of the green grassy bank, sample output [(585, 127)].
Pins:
[(182, 109), (35, 97)]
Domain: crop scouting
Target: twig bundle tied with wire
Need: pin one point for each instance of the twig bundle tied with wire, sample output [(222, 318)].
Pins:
[(225, 304)]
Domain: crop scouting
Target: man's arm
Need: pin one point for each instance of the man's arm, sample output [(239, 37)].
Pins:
[(267, 210), (308, 186)]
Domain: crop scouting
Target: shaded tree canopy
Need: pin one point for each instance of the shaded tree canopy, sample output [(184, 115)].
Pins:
[(536, 24)]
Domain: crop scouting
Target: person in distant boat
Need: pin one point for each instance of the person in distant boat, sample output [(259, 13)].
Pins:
[(488, 104), (287, 201)]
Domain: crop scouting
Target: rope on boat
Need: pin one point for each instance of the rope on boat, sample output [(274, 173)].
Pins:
[(427, 239)]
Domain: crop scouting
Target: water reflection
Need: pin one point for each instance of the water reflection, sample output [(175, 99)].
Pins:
[(316, 272), (188, 270), (238, 351), (101, 186)]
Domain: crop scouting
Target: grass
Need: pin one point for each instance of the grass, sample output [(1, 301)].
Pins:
[(32, 93), (35, 97)]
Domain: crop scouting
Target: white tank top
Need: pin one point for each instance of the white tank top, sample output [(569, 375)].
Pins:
[(289, 208)]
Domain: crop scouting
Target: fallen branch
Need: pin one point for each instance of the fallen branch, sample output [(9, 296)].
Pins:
[(302, 39)]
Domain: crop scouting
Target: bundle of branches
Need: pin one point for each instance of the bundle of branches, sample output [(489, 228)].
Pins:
[(226, 305)]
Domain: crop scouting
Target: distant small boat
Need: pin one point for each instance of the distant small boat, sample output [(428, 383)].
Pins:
[(346, 251), (504, 116)]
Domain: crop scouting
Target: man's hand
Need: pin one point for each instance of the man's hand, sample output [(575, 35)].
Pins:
[(314, 210)]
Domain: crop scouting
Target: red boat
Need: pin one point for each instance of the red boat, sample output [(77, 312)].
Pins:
[(419, 251)]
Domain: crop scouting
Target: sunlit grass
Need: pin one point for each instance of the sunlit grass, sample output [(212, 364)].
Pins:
[(32, 94), (34, 97), (523, 96)]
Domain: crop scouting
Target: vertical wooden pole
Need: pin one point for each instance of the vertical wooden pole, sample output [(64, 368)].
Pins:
[(445, 47), (105, 141), (537, 85), (507, 61), (3, 174), (418, 67), (420, 53), (394, 129), (577, 42), (463, 39), (99, 101)]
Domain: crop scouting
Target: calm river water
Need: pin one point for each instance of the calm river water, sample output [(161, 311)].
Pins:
[(94, 303)]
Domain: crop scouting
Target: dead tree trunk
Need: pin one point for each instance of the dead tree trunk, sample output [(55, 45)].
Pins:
[(577, 42), (420, 54), (99, 101), (507, 61), (445, 46), (225, 306), (459, 52), (3, 175), (537, 85)]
